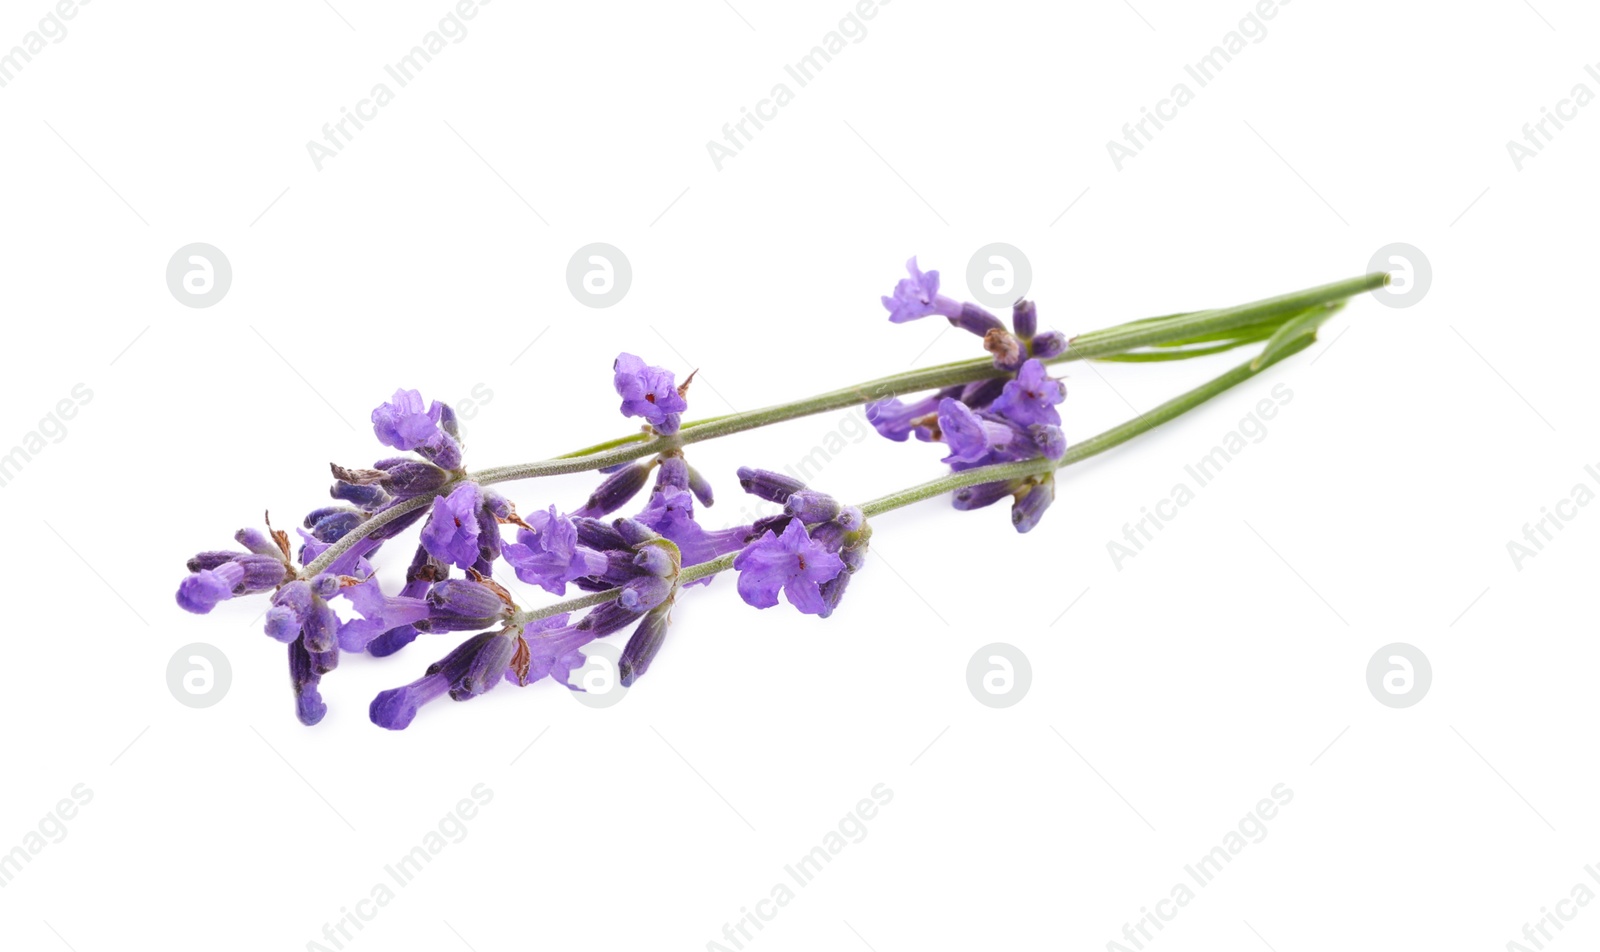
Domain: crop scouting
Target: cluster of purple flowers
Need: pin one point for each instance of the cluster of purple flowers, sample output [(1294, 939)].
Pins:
[(1003, 419), (808, 553)]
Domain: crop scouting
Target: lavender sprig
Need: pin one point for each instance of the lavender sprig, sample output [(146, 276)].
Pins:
[(997, 417)]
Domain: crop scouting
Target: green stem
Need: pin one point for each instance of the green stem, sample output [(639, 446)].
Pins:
[(1245, 320), (1000, 472)]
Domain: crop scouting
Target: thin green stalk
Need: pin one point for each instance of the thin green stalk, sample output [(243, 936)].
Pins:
[(1245, 320), (1000, 472)]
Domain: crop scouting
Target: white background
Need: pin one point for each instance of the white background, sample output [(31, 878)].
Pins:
[(1227, 657)]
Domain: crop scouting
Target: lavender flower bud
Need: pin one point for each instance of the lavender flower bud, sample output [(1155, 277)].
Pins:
[(1030, 507), (262, 573), (644, 593), (369, 497), (258, 542), (672, 471), (765, 484), (391, 529), (655, 560), (980, 393), (206, 561), (833, 590), (448, 422), (598, 535), (1049, 344), (330, 524), (321, 628), (443, 451), (486, 662), (606, 619), (810, 506), (308, 704), (701, 488), (983, 494), (643, 644), (634, 532), (460, 604), (1052, 443), (1025, 319), (616, 491), (408, 477), (499, 506), (489, 541), (976, 320)]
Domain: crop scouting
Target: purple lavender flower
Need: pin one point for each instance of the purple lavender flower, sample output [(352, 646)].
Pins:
[(793, 563), (648, 392), (403, 424), (896, 419), (918, 296), (550, 649), (420, 576), (547, 553), (473, 668), (354, 559), (218, 576), (670, 513), (379, 614), (451, 535), (300, 610), (1032, 397), (200, 592), (975, 440)]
